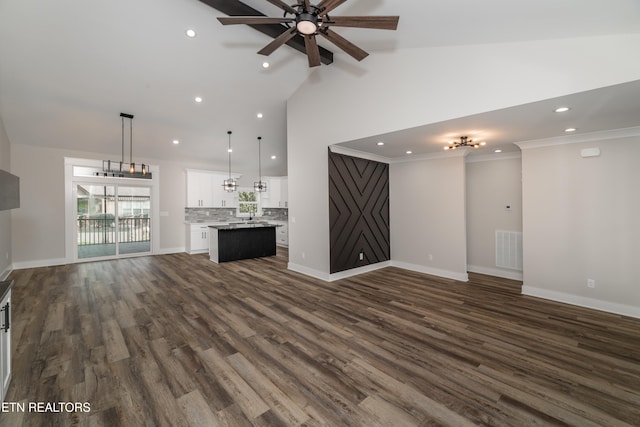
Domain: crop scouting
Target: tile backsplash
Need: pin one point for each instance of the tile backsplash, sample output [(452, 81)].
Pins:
[(227, 214)]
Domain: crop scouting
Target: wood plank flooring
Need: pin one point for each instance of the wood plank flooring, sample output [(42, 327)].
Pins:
[(176, 340)]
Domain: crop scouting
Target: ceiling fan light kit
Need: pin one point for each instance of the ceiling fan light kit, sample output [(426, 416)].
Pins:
[(308, 21)]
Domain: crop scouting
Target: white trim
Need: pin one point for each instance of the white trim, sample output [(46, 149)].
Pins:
[(358, 270), (585, 137), (463, 152), (6, 272), (496, 156), (513, 275), (610, 307), (462, 277), (330, 277), (444, 154), (309, 271), (169, 251), (359, 154), (40, 263)]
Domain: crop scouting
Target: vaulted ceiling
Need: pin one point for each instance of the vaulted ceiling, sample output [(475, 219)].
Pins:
[(69, 68)]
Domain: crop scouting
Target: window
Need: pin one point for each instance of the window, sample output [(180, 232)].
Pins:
[(248, 205)]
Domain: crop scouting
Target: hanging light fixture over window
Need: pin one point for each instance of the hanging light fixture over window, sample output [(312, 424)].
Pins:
[(260, 186), (118, 168), (464, 142), (230, 184)]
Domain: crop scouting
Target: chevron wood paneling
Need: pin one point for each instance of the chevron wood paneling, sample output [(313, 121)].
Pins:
[(358, 212)]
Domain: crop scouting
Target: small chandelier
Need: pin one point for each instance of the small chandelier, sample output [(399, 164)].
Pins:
[(230, 185), (259, 186), (118, 169), (464, 142)]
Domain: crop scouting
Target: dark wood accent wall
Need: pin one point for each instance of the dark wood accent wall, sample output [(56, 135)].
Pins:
[(358, 212)]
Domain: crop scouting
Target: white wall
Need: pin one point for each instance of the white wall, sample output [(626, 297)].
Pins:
[(38, 227), (427, 210), (396, 90), (493, 182), (5, 216), (581, 222)]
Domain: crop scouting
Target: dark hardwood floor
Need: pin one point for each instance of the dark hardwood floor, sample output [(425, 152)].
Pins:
[(176, 340)]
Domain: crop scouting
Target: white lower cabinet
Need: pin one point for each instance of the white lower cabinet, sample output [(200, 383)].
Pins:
[(5, 344), (197, 238), (282, 233)]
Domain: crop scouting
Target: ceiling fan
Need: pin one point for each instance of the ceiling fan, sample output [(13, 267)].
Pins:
[(310, 20)]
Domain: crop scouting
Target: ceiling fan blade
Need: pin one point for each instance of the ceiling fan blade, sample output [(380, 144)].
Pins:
[(282, 5), (375, 22), (329, 5), (252, 20), (313, 53), (307, 6), (277, 42), (344, 44)]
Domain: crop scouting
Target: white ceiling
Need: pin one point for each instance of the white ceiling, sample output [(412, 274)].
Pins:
[(68, 68)]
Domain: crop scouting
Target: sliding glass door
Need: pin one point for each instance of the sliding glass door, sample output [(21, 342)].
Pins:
[(134, 222), (112, 220)]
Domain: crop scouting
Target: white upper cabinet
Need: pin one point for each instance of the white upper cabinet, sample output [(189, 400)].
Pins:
[(222, 198), (199, 189), (205, 190), (276, 194)]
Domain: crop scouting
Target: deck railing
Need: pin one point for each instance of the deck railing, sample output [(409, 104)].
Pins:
[(100, 231)]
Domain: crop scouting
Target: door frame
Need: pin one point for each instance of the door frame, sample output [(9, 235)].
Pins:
[(71, 250)]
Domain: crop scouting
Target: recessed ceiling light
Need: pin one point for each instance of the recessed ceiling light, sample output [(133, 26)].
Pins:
[(230, 150), (273, 157), (498, 151), (259, 115), (176, 142), (198, 99), (380, 143), (191, 33), (409, 152), (570, 130), (562, 109), (265, 64)]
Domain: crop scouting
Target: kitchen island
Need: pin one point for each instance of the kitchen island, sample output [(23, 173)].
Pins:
[(232, 242)]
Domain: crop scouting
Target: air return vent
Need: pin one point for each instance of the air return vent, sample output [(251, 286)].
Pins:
[(509, 249)]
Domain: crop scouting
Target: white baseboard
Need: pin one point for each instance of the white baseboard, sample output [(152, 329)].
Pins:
[(513, 275), (327, 277), (40, 263), (6, 272), (610, 307), (462, 277), (168, 251), (309, 271), (358, 270)]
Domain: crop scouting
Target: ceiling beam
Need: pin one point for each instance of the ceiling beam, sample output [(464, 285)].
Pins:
[(237, 8)]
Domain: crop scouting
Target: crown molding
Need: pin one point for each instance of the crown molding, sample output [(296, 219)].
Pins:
[(360, 154), (493, 157), (460, 152), (575, 139)]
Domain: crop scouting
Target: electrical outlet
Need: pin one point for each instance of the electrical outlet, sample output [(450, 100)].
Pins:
[(591, 283), (430, 257), (361, 256)]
